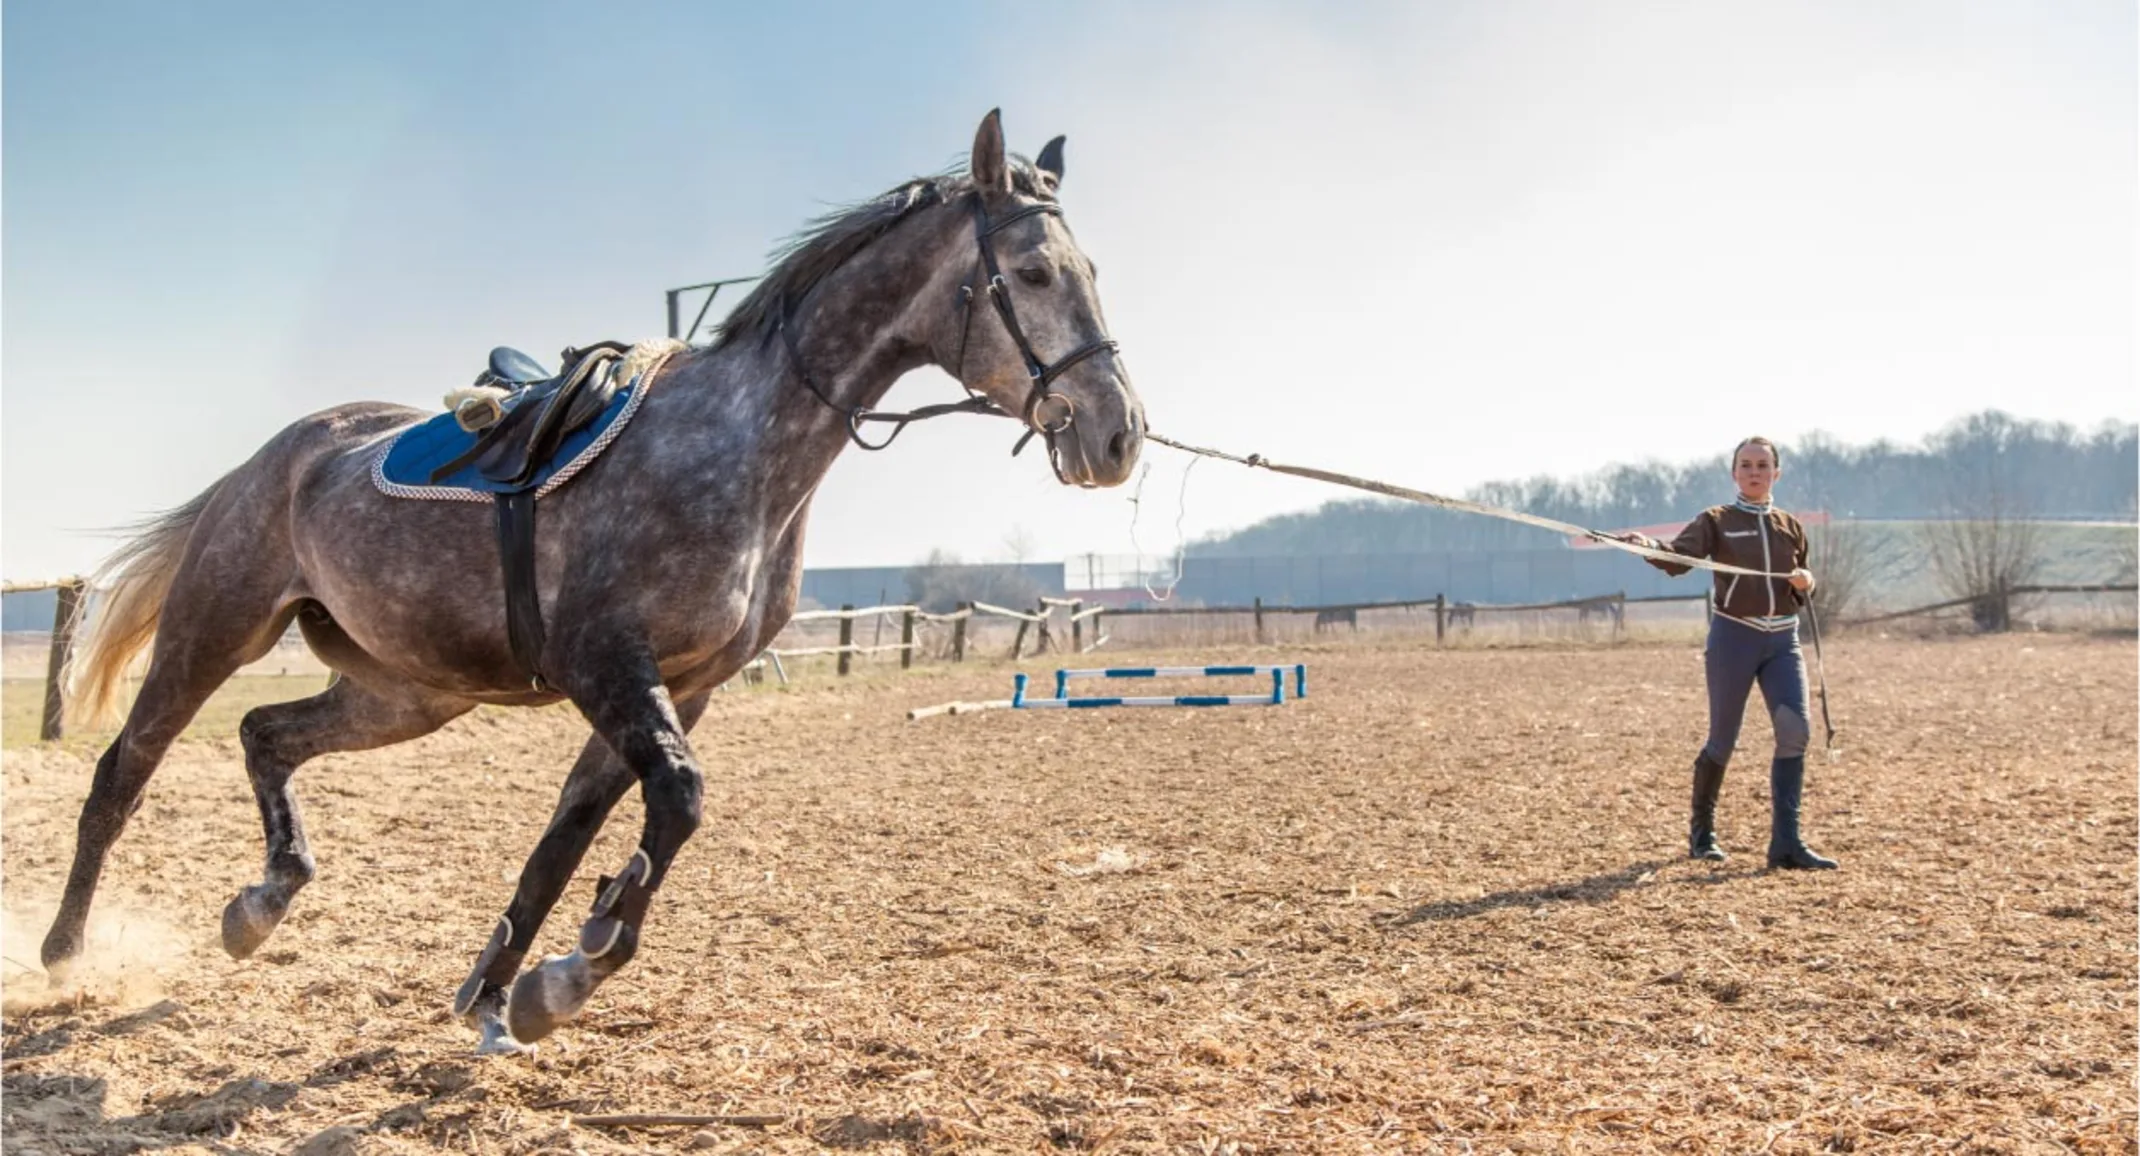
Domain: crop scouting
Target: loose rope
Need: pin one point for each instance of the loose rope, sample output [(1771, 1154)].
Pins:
[(1258, 461), (1181, 541)]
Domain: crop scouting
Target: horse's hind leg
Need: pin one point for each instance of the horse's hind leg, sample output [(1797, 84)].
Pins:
[(191, 661), (347, 716), (598, 779)]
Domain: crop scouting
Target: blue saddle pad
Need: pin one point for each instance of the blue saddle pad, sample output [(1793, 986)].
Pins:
[(404, 470)]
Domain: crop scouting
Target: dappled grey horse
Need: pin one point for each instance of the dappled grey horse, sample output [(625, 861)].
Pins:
[(664, 568)]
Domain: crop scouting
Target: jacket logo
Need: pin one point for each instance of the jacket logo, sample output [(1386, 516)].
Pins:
[(1742, 533)]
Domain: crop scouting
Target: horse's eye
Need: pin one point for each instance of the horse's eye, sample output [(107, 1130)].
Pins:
[(1035, 276)]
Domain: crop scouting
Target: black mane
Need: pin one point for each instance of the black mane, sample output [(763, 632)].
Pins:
[(808, 257)]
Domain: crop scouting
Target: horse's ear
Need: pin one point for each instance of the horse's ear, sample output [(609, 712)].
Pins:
[(1051, 159), (990, 172)]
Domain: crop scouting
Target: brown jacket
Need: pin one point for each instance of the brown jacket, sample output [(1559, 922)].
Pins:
[(1773, 542)]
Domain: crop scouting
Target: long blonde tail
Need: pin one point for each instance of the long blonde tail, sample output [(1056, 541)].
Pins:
[(130, 588)]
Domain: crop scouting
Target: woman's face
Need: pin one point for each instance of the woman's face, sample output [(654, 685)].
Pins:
[(1756, 472)]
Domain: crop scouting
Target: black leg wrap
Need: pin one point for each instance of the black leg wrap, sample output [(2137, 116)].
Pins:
[(611, 934), (554, 991), (1701, 826), (495, 967)]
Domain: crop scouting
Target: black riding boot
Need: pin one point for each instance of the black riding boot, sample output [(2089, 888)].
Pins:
[(1701, 827), (1787, 782)]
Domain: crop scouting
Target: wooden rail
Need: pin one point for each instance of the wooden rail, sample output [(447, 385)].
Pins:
[(33, 585)]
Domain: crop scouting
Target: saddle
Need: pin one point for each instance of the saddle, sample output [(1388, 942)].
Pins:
[(538, 412), (522, 431)]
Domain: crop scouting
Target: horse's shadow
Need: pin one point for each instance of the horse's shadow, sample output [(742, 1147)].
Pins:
[(56, 1039), (60, 1106), (1593, 890)]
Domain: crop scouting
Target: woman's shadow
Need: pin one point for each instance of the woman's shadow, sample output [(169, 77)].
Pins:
[(1593, 890)]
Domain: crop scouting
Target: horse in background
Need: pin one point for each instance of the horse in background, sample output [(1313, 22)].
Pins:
[(1331, 619)]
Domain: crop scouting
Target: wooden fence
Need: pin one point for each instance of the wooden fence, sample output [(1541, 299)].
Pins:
[(912, 618), (1084, 627), (68, 611), (1993, 611), (1611, 607)]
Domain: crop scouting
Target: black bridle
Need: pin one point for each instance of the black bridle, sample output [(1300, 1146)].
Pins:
[(1042, 373)]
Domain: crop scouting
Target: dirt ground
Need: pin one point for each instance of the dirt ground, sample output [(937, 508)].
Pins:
[(1440, 905)]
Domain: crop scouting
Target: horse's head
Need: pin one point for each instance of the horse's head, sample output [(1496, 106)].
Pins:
[(1027, 330)]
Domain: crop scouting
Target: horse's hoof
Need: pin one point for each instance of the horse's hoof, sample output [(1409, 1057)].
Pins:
[(549, 995), (497, 1041), (58, 955), (484, 1011), (59, 971), (249, 919)]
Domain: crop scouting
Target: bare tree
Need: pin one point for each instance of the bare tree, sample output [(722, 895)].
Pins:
[(1018, 544), (1982, 555), (1983, 558), (1849, 561), (941, 583), (1988, 544)]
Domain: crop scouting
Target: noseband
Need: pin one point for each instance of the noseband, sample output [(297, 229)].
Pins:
[(1042, 374)]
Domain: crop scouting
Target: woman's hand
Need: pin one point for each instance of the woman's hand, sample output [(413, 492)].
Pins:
[(1801, 579)]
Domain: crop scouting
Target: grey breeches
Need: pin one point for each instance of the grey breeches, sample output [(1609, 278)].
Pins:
[(1737, 657)]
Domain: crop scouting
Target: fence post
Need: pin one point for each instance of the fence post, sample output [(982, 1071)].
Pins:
[(906, 638), (1046, 636), (1709, 604), (1099, 632), (847, 635), (1077, 627), (958, 632), (70, 601), (1259, 620), (1441, 616), (1018, 643), (1619, 616)]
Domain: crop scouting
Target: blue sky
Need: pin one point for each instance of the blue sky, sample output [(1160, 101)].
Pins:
[(1434, 244)]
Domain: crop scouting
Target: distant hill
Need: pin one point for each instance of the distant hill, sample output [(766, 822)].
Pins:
[(1988, 462)]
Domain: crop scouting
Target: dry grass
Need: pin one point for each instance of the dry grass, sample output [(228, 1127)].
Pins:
[(22, 708), (1437, 906)]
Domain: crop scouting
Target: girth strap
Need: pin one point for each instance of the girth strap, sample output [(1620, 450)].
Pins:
[(523, 608)]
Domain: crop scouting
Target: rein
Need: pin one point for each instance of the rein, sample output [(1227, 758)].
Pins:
[(857, 414)]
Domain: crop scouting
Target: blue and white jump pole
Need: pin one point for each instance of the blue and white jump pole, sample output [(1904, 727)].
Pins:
[(1276, 696), (1298, 670)]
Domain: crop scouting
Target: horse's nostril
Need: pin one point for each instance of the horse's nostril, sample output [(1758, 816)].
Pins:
[(1117, 446)]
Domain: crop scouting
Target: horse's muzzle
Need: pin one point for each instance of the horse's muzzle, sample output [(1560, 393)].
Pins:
[(1104, 438)]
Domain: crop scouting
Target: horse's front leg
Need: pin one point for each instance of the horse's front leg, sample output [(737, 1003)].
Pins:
[(598, 779), (625, 700)]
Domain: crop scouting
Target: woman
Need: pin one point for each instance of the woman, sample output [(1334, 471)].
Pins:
[(1753, 637)]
